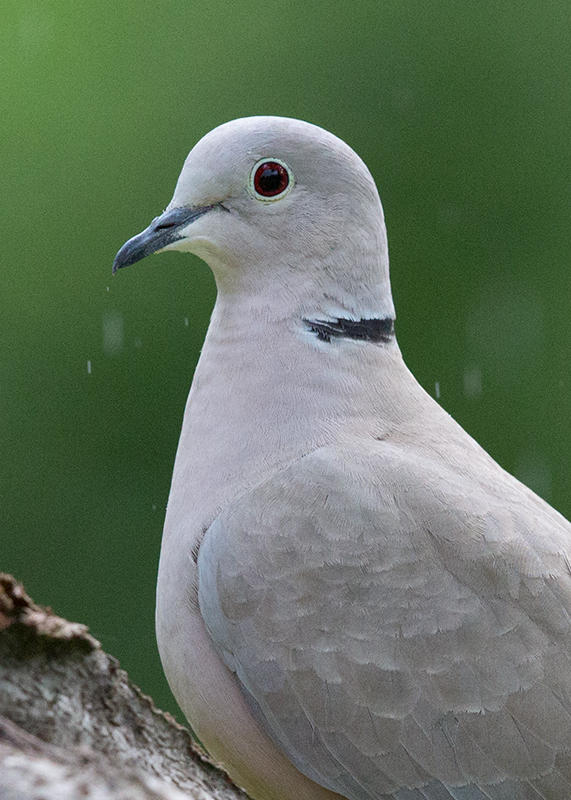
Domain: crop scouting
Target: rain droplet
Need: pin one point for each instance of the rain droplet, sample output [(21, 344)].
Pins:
[(437, 390), (186, 322), (112, 332), (533, 469), (89, 367), (472, 382)]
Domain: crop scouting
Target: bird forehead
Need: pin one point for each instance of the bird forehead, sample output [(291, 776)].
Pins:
[(257, 136), (219, 164)]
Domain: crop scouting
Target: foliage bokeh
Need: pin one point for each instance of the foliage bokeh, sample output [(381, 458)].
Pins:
[(461, 112)]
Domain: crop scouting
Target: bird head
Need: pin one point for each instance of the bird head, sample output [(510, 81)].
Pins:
[(277, 204)]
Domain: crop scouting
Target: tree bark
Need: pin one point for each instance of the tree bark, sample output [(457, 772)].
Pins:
[(72, 725)]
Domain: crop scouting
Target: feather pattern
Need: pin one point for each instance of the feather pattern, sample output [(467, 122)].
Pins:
[(392, 621)]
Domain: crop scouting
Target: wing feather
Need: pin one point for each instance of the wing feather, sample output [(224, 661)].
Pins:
[(402, 629)]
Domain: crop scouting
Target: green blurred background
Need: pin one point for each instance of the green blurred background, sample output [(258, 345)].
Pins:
[(461, 111)]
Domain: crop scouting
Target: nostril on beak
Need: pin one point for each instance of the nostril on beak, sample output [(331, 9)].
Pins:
[(164, 223), (177, 217)]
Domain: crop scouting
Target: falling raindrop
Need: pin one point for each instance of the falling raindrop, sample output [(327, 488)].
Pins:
[(533, 469), (112, 332), (89, 367), (505, 331), (437, 390), (472, 382), (186, 322)]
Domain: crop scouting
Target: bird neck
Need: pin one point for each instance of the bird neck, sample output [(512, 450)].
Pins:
[(269, 390)]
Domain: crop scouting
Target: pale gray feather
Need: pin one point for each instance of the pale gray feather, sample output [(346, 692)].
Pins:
[(402, 630), (393, 606)]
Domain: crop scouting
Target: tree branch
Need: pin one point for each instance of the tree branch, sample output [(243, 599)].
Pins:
[(72, 725)]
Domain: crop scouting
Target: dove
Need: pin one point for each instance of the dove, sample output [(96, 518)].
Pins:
[(354, 599)]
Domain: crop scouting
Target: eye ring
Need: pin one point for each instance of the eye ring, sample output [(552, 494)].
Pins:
[(270, 179)]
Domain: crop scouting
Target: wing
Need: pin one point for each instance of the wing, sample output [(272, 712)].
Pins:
[(400, 630)]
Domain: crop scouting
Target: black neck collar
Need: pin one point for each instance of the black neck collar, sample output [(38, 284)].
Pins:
[(366, 330)]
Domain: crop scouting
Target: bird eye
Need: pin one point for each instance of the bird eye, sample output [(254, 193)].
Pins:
[(271, 179)]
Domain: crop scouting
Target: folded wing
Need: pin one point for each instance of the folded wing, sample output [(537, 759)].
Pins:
[(401, 630)]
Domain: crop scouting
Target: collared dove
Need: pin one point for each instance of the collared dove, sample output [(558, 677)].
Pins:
[(353, 598)]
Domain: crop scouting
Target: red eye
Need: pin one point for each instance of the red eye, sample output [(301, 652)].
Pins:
[(270, 179)]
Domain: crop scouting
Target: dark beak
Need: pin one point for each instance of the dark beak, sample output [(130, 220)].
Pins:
[(162, 231)]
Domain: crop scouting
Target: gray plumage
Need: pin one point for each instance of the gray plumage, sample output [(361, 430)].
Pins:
[(353, 597)]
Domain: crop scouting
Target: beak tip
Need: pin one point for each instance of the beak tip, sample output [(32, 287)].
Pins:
[(128, 254), (162, 231)]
